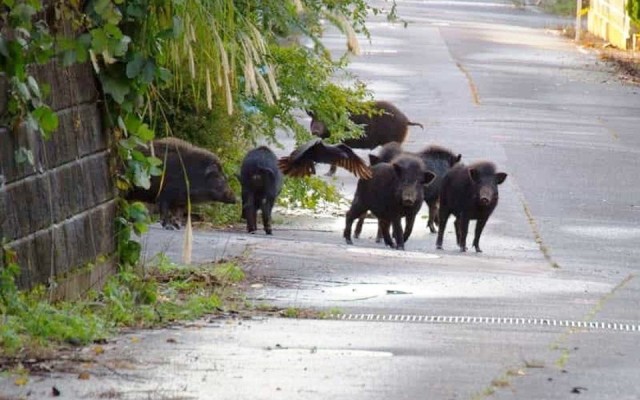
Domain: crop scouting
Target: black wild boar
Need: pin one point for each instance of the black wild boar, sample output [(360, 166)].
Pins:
[(468, 192), (387, 152), (386, 124), (204, 173), (261, 183), (437, 160), (394, 191)]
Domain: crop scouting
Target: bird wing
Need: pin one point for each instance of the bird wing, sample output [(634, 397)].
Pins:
[(353, 163), (301, 161)]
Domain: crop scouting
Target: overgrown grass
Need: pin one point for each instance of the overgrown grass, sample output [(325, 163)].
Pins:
[(561, 7), (146, 297)]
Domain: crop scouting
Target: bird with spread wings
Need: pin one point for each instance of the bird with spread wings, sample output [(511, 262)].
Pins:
[(301, 162)]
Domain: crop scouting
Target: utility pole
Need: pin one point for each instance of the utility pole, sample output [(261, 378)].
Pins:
[(578, 18)]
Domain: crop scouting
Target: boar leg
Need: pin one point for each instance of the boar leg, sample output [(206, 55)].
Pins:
[(408, 226), (444, 216), (250, 212), (463, 225), (433, 210), (356, 233), (383, 225), (267, 206), (354, 212), (398, 234), (379, 234), (456, 225), (479, 227), (166, 216)]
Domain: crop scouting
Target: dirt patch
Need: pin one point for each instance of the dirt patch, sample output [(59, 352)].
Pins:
[(626, 63)]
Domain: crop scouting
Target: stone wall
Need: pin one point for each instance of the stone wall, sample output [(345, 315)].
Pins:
[(59, 213)]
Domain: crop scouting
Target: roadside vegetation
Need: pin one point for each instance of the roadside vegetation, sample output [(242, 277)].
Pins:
[(156, 295), (561, 7)]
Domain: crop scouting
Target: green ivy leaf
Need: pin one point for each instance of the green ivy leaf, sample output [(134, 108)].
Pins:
[(141, 176), (132, 123), (33, 86), (47, 119), (23, 155), (150, 71), (118, 89), (120, 49), (145, 133), (22, 90), (135, 65)]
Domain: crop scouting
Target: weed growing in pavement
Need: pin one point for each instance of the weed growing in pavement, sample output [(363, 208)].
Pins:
[(156, 295)]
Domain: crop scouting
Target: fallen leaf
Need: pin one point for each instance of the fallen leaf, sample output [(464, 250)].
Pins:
[(55, 392), (21, 380), (84, 375), (578, 389), (135, 339), (172, 340), (257, 285), (98, 350)]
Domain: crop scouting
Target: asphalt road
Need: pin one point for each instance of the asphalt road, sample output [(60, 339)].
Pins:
[(550, 310)]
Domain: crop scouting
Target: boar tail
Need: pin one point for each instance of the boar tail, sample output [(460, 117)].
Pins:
[(415, 124)]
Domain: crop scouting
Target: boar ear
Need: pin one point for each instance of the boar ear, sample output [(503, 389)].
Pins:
[(500, 177), (397, 169), (458, 158), (211, 168), (267, 171), (428, 177), (373, 159), (473, 174), (310, 113)]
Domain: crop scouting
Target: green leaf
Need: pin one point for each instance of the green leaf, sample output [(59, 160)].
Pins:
[(23, 155), (33, 85), (22, 90), (141, 176), (132, 123), (145, 133), (135, 65), (47, 119), (122, 46), (118, 89)]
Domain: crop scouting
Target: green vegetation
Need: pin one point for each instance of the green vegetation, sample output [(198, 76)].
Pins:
[(633, 9), (560, 7), (146, 297)]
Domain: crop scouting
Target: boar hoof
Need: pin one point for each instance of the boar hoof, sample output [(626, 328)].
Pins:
[(269, 232), (463, 249), (439, 247), (478, 249), (349, 241), (400, 248)]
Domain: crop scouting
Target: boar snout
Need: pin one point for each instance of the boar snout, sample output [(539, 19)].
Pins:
[(229, 197), (409, 198)]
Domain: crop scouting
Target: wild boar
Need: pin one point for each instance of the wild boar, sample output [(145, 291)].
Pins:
[(261, 184), (205, 180), (438, 160), (386, 124), (394, 191), (468, 192)]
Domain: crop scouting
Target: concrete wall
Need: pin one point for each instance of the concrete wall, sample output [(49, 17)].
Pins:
[(608, 20), (59, 213)]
